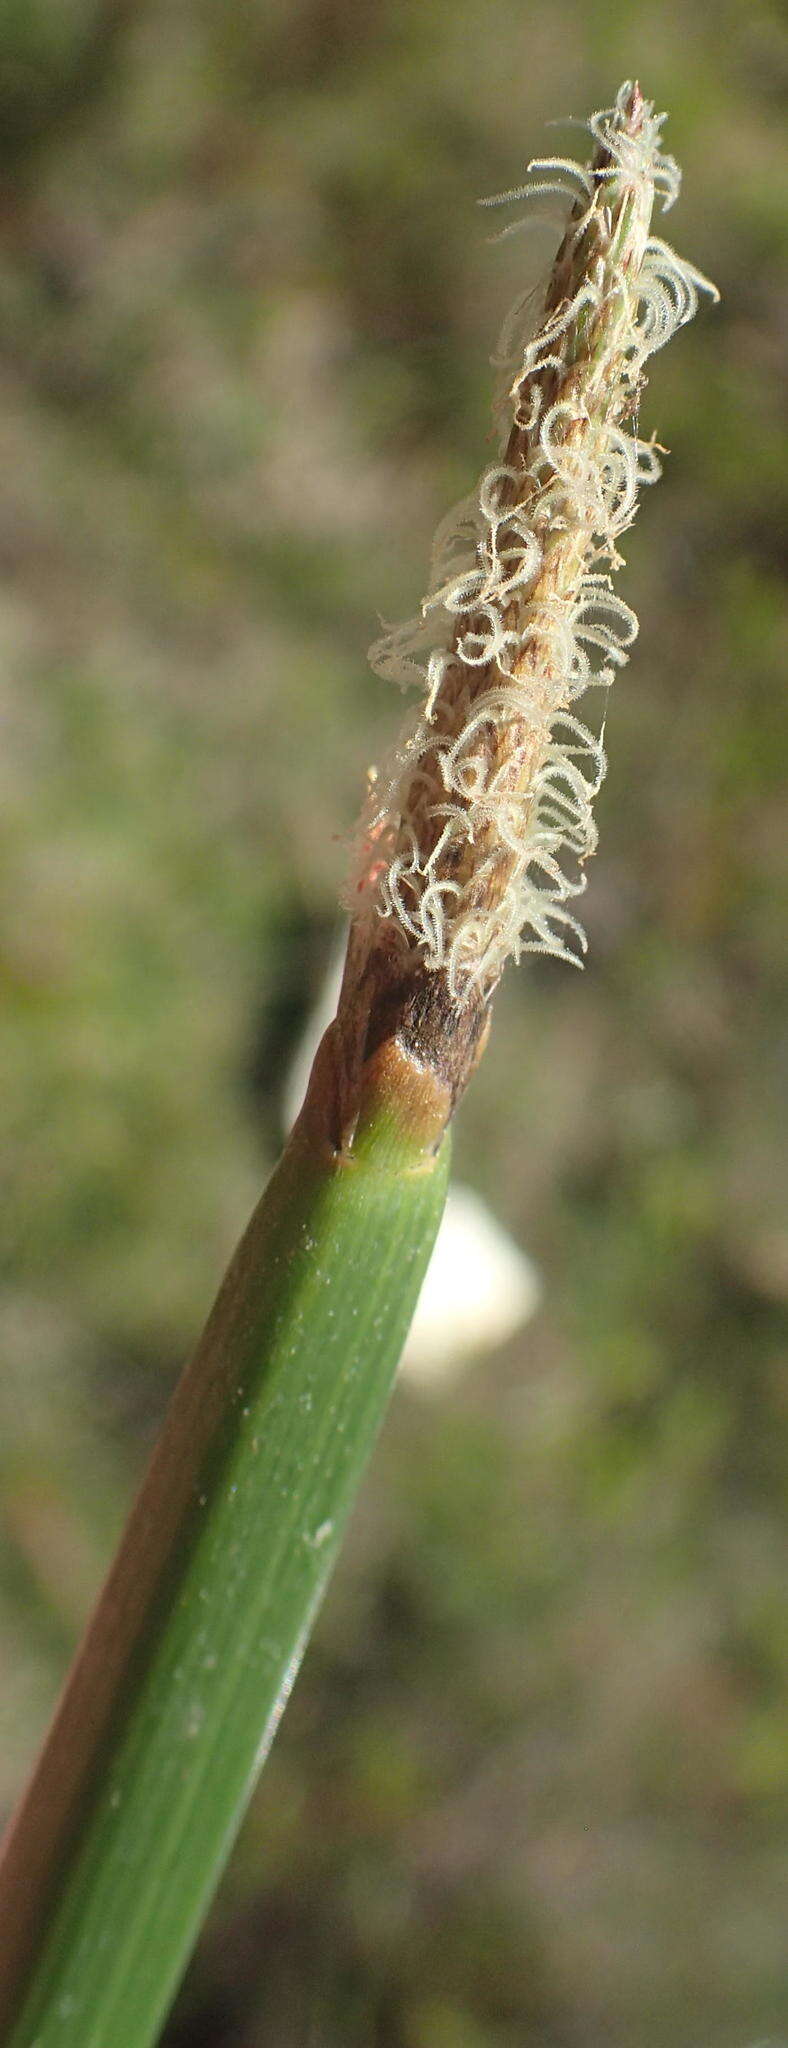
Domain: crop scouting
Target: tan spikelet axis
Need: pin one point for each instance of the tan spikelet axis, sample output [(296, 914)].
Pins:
[(472, 843)]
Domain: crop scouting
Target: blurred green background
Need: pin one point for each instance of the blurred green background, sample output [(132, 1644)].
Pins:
[(531, 1789)]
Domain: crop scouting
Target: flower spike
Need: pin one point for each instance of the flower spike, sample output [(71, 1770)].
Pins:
[(473, 841)]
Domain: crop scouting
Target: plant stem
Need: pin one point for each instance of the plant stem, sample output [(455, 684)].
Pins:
[(178, 1689)]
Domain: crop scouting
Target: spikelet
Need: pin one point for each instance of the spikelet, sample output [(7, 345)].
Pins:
[(472, 844)]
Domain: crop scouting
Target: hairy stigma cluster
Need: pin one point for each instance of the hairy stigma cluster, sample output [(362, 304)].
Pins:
[(472, 844)]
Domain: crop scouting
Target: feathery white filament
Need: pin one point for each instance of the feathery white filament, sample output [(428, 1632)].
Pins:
[(493, 784)]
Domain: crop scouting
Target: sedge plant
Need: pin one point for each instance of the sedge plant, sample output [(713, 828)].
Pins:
[(471, 849)]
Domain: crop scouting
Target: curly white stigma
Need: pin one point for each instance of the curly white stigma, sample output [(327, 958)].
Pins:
[(463, 861)]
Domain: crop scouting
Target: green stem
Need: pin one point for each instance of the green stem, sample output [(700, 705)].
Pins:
[(178, 1689)]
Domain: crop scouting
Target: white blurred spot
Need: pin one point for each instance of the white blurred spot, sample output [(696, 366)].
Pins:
[(478, 1289)]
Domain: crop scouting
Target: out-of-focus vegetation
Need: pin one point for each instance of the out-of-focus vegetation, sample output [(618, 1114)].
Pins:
[(531, 1790)]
